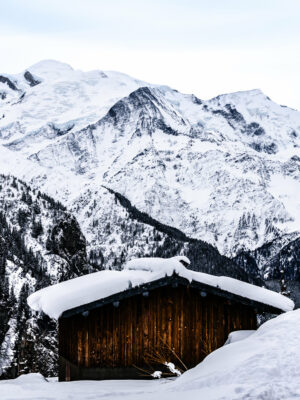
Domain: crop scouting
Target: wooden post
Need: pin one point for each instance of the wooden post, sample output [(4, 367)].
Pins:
[(68, 378)]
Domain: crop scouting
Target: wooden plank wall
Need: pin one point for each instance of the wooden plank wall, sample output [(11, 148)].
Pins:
[(125, 335)]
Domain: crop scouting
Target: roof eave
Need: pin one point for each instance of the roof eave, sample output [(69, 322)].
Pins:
[(173, 280)]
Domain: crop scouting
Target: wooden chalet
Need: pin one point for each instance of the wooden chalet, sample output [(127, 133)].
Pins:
[(174, 318)]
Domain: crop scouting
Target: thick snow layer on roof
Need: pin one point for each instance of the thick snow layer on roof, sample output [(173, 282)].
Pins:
[(157, 264), (56, 299)]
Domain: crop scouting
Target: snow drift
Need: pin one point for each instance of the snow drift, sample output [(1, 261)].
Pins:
[(265, 365)]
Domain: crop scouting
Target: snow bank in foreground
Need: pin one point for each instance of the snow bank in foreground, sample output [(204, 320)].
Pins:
[(56, 299), (236, 336), (264, 366)]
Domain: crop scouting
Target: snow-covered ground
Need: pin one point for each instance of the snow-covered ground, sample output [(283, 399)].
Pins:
[(263, 366)]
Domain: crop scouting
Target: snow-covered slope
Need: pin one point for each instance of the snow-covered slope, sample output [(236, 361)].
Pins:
[(34, 253), (60, 99), (262, 366), (226, 170)]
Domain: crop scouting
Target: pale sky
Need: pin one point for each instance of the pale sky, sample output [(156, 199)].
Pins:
[(202, 47)]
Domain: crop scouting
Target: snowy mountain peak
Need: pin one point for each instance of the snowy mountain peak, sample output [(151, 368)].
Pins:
[(48, 69), (241, 94)]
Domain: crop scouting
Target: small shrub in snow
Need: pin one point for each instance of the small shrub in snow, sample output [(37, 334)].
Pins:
[(171, 367), (157, 374)]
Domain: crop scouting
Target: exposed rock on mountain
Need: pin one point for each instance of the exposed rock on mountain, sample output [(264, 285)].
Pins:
[(29, 77), (277, 262), (171, 241)]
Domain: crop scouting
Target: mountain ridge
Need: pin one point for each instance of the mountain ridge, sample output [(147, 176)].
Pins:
[(251, 143)]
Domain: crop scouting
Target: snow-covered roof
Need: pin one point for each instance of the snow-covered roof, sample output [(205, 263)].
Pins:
[(56, 299)]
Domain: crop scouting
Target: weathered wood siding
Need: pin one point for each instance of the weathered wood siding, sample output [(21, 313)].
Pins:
[(113, 339)]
